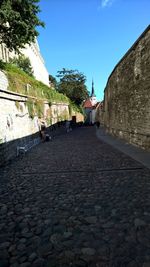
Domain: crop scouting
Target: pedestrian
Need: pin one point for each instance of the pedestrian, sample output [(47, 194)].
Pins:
[(42, 131), (97, 124), (67, 126)]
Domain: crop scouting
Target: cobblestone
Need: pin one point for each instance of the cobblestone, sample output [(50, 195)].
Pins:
[(75, 201)]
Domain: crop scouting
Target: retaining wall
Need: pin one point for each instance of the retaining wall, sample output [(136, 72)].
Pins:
[(126, 110)]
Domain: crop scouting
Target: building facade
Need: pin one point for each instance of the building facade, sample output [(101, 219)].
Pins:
[(89, 106), (33, 53), (126, 106)]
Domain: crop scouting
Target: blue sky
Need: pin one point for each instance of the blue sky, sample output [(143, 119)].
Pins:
[(90, 35)]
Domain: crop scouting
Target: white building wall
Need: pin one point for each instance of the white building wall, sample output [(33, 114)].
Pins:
[(93, 116), (3, 81), (15, 123), (37, 62), (33, 53), (93, 100)]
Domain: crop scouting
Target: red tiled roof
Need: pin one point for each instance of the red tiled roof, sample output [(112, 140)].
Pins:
[(98, 105), (87, 104)]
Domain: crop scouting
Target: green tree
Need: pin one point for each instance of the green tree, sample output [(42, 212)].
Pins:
[(18, 22), (72, 84), (23, 63), (53, 81)]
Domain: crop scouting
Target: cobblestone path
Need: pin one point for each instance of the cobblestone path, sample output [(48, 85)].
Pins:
[(75, 201)]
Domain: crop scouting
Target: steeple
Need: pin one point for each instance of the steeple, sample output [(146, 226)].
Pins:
[(92, 93)]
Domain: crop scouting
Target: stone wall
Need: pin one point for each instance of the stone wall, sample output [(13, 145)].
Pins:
[(18, 129), (16, 126), (3, 81), (126, 111)]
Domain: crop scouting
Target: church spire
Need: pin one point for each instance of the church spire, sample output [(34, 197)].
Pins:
[(92, 93)]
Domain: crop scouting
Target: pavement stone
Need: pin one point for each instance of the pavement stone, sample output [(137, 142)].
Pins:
[(75, 201)]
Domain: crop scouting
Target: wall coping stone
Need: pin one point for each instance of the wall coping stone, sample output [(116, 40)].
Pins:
[(7, 95)]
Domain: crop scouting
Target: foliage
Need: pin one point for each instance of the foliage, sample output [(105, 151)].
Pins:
[(24, 64), (18, 22), (18, 81), (30, 105), (35, 107), (72, 84), (39, 108), (74, 107), (49, 121), (53, 81), (2, 65), (37, 92), (19, 106)]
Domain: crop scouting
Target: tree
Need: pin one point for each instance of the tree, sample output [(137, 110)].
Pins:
[(53, 81), (18, 22), (72, 84), (23, 63)]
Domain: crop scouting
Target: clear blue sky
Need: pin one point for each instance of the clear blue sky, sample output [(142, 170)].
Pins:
[(90, 35)]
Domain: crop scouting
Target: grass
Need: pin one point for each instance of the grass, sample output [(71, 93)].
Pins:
[(19, 81), (22, 83)]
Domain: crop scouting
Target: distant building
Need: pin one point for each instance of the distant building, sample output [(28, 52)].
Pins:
[(90, 106), (33, 53), (99, 112)]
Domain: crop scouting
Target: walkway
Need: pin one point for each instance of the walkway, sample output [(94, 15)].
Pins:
[(136, 153), (75, 201)]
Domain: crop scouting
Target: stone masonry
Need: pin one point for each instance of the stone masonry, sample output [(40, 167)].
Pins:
[(126, 111), (17, 128), (75, 202), (3, 81)]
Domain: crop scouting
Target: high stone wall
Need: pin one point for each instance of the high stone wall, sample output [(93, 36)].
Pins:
[(3, 81), (17, 128), (126, 111)]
